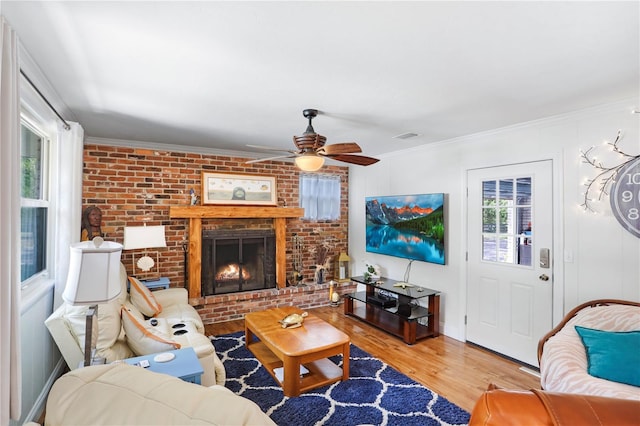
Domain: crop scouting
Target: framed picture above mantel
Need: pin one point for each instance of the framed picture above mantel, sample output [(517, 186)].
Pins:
[(236, 189)]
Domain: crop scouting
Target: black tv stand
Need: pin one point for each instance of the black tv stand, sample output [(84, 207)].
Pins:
[(399, 317)]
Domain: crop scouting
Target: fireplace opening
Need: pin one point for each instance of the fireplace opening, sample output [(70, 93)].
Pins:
[(238, 260)]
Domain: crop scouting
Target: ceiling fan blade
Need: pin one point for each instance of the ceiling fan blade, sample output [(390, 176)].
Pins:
[(359, 160), (341, 148), (271, 148), (260, 160)]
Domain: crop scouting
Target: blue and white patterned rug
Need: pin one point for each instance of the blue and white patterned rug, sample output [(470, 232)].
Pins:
[(375, 393)]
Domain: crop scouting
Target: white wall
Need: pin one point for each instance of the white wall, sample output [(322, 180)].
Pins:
[(606, 258), (41, 360)]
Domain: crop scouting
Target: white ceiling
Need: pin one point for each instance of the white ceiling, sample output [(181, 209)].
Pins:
[(226, 74)]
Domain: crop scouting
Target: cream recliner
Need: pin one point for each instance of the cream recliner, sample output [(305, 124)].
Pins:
[(67, 327), (120, 394)]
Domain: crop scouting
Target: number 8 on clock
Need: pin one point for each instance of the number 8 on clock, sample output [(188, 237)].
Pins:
[(625, 197)]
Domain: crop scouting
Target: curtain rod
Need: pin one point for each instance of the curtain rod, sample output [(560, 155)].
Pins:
[(66, 125)]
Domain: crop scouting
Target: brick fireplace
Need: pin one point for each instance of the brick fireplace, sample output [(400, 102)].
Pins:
[(135, 186), (237, 260), (196, 214), (224, 307)]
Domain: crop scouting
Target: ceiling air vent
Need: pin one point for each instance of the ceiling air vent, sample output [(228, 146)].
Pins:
[(407, 135)]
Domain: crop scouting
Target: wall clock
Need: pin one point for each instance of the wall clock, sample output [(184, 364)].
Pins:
[(625, 197)]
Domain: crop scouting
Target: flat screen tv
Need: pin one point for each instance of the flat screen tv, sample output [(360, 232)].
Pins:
[(407, 226)]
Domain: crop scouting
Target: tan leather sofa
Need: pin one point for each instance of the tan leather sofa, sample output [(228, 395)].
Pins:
[(67, 327), (501, 407), (121, 394)]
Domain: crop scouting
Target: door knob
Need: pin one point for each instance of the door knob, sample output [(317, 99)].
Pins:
[(544, 277)]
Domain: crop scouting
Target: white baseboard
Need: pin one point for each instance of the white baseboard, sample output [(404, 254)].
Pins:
[(40, 404), (530, 371)]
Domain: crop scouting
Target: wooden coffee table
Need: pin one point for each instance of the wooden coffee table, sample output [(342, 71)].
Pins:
[(309, 345)]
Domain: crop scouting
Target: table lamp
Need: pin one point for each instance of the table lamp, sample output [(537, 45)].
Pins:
[(94, 277), (144, 237)]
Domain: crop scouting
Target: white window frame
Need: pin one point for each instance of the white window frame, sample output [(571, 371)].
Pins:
[(45, 200), (38, 116)]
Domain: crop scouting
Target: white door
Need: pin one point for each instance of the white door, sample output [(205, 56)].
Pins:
[(510, 267)]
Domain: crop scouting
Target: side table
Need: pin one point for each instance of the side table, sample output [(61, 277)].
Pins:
[(162, 282), (185, 365)]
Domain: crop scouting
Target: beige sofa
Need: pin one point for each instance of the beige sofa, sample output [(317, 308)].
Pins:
[(125, 328), (120, 394)]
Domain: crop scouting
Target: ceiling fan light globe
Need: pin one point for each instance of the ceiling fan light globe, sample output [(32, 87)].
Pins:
[(309, 162)]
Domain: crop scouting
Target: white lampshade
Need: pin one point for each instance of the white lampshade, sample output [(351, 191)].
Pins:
[(309, 162), (142, 237), (94, 272)]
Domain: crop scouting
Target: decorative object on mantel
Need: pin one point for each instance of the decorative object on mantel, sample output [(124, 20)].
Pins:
[(144, 237), (293, 320), (231, 189), (194, 197)]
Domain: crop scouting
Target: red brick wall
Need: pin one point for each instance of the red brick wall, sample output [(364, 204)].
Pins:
[(133, 186)]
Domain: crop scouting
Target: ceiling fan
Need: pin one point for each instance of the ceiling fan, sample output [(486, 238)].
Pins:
[(312, 151)]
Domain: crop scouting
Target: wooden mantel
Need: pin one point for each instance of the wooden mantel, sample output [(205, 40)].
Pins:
[(195, 214)]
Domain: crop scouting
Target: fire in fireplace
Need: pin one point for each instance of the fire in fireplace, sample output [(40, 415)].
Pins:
[(237, 260), (232, 272)]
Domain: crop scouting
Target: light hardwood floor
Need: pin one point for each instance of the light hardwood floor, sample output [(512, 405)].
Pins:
[(458, 371)]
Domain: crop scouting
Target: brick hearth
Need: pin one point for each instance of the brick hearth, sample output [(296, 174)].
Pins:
[(227, 307)]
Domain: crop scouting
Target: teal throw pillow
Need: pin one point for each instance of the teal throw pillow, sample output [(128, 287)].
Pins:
[(612, 355)]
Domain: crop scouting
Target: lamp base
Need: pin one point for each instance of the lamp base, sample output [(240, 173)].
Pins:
[(90, 334), (93, 361)]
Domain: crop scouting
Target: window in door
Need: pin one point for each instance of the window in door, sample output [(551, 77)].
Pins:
[(506, 221)]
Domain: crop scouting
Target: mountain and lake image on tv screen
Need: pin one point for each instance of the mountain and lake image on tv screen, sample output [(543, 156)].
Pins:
[(407, 226)]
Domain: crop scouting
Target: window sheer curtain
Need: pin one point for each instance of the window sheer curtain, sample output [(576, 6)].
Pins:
[(320, 196), (10, 380), (68, 201)]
